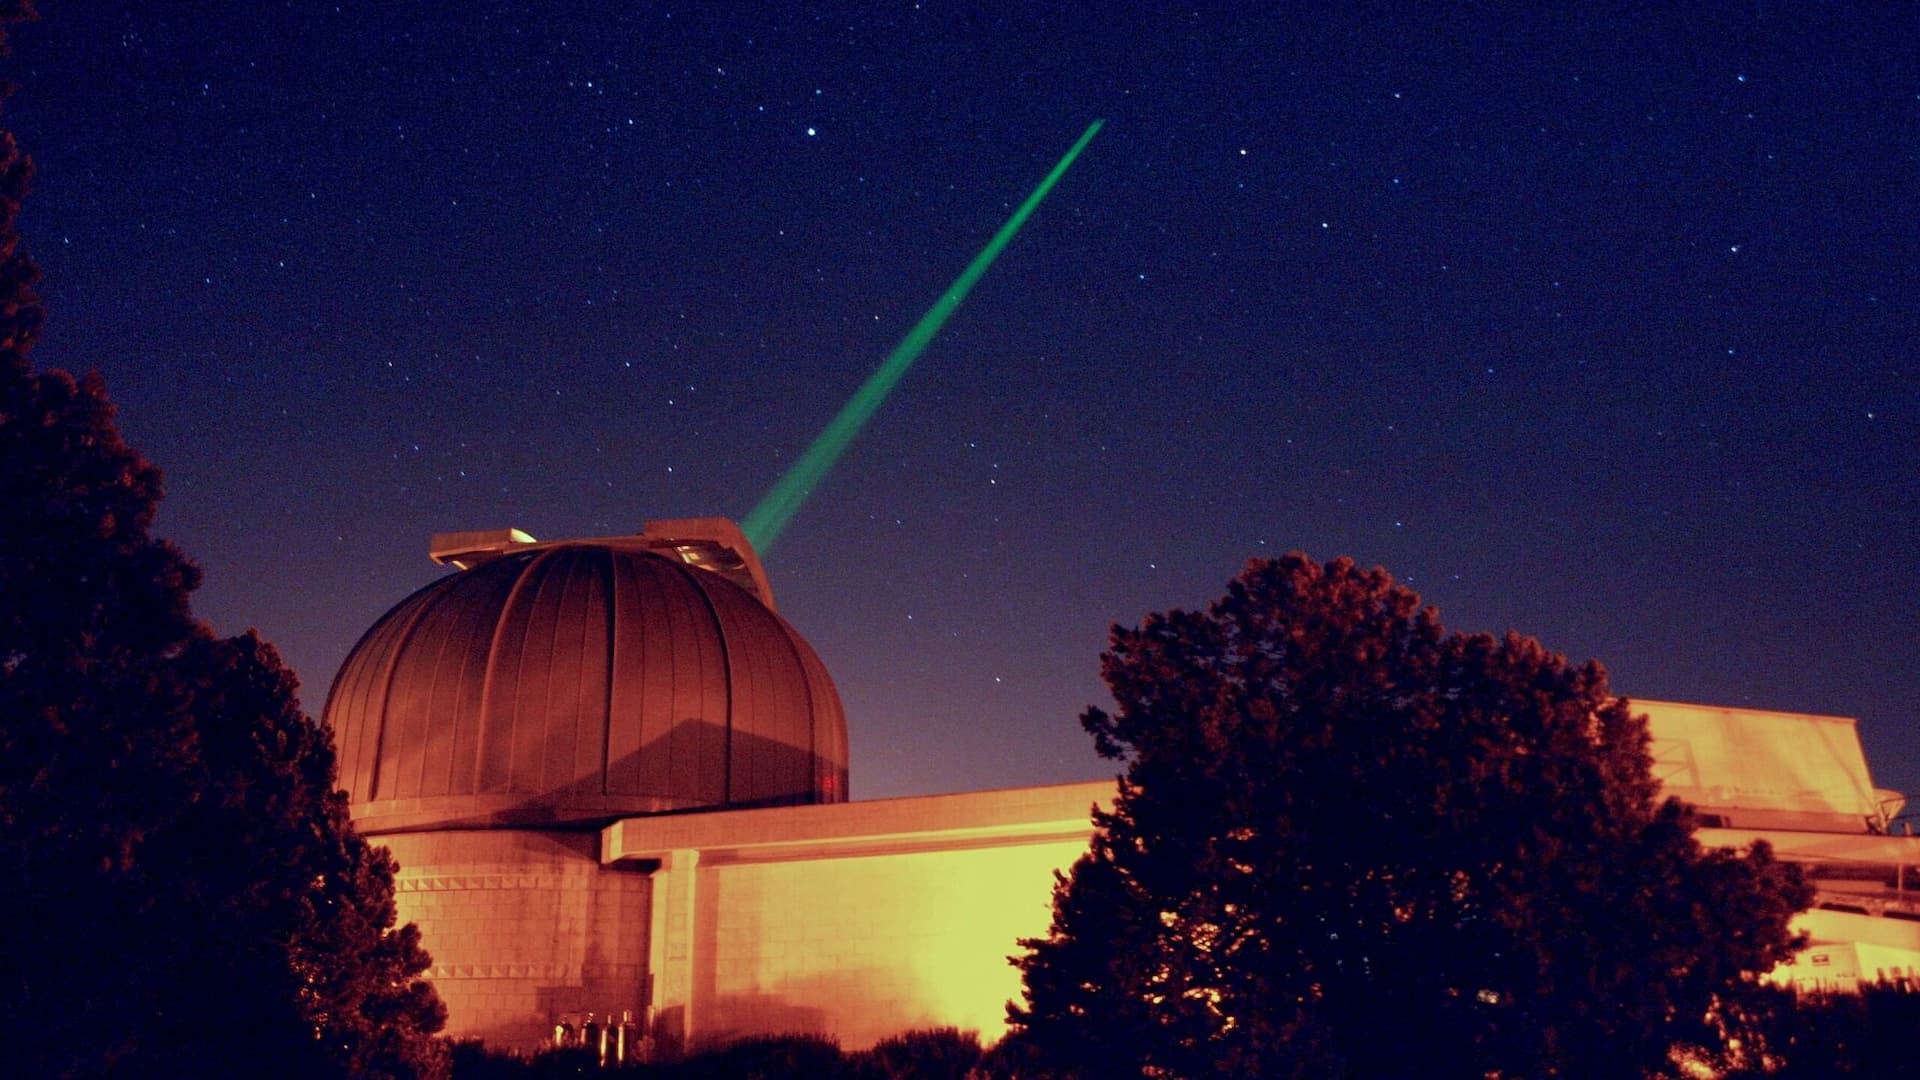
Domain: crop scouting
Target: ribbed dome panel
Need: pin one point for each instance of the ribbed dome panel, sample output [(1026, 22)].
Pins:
[(577, 683)]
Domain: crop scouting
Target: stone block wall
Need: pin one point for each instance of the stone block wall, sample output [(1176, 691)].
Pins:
[(524, 926)]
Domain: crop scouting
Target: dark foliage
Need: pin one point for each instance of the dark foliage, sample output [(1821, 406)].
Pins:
[(184, 894), (1350, 843), (767, 1059), (774, 1057), (471, 1059), (1868, 1035), (930, 1054)]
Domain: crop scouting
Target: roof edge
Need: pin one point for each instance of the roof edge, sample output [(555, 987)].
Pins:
[(714, 544)]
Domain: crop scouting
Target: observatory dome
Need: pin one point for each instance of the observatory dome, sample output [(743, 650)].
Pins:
[(576, 682)]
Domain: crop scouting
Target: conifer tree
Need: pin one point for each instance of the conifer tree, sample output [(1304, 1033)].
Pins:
[(1348, 842), (181, 891)]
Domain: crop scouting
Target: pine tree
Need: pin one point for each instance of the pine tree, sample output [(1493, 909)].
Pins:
[(183, 892), (1348, 842)]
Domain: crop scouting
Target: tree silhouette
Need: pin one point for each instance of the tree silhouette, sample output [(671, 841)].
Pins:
[(184, 893), (1348, 842)]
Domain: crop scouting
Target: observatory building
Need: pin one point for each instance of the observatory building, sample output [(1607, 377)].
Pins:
[(615, 780)]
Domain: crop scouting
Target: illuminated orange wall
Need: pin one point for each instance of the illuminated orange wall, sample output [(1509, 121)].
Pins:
[(870, 946), (858, 920)]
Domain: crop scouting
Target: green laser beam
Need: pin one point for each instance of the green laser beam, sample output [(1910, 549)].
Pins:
[(764, 525)]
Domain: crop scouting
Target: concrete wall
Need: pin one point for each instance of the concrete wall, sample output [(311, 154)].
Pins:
[(870, 946), (523, 926), (858, 920)]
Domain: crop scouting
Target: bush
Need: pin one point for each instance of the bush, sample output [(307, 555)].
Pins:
[(934, 1054), (1868, 1034), (931, 1054), (777, 1056)]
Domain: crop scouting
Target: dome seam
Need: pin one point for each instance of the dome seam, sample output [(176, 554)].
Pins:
[(348, 668), (483, 720), (538, 767), (402, 642), (791, 637), (691, 575)]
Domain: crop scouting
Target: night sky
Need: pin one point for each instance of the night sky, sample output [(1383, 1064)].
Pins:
[(1597, 326)]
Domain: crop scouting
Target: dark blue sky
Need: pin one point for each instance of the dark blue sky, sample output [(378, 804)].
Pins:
[(1600, 326)]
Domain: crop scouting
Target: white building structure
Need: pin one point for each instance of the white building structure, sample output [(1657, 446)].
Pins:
[(615, 782)]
